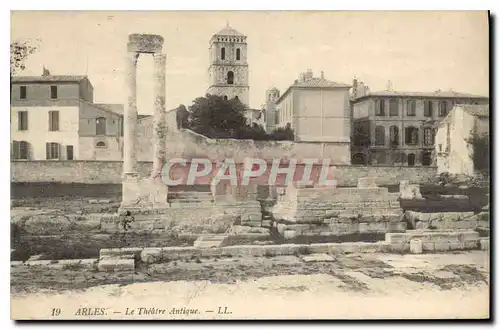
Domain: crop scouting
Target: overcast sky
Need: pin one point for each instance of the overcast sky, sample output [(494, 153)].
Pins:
[(417, 51)]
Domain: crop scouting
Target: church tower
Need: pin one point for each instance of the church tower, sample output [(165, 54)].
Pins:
[(228, 70)]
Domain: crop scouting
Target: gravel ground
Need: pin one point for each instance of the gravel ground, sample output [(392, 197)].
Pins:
[(454, 285)]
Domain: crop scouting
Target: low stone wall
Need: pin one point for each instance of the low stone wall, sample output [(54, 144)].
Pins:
[(110, 172), (434, 241)]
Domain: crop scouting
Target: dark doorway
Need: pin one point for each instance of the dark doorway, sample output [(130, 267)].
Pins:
[(411, 159)]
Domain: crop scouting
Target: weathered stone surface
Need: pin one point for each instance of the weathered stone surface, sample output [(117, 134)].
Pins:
[(125, 265), (484, 243), (35, 257), (241, 230), (368, 182), (416, 246), (318, 257), (46, 224), (210, 241), (289, 234)]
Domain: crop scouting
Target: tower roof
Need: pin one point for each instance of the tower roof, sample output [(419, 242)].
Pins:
[(229, 31)]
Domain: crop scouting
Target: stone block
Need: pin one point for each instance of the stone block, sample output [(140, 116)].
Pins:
[(428, 246), (210, 241), (159, 224), (151, 255), (399, 247), (396, 227), (416, 246), (93, 201), (107, 265), (289, 234), (484, 243), (104, 201), (266, 223), (331, 213), (456, 245), (125, 265), (442, 246), (318, 257), (471, 244), (396, 238)]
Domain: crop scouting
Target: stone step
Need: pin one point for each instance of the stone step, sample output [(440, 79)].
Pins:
[(210, 241)]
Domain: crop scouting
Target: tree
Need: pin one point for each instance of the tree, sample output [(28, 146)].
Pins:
[(19, 52), (216, 117), (480, 151)]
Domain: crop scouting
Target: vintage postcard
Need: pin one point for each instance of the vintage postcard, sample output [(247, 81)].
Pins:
[(249, 165)]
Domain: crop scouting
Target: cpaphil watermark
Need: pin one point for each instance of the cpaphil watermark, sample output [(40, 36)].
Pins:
[(279, 172)]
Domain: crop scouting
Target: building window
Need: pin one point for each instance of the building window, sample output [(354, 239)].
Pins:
[(379, 136), (411, 135), (238, 55), (393, 108), (52, 150), (428, 108), (236, 98), (69, 152), (394, 135), (443, 109), (20, 150), (428, 136), (426, 159), (225, 97), (53, 120), (223, 53), (53, 92), (411, 107), (22, 92), (380, 108), (411, 159), (22, 120), (230, 77), (100, 144), (100, 126), (440, 146)]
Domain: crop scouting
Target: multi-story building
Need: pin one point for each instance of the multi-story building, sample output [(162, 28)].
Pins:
[(398, 128), (54, 118), (317, 109), (454, 146)]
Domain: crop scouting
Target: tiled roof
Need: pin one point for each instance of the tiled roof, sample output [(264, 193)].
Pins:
[(440, 94), (229, 31), (476, 110), (50, 78), (319, 82)]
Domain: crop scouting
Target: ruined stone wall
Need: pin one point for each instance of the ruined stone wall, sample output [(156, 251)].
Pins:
[(111, 171)]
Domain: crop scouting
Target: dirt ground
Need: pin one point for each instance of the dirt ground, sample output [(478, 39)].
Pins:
[(351, 286)]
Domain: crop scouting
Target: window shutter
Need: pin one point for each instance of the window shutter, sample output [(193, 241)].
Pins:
[(15, 149), (25, 120), (59, 149), (47, 150), (56, 120)]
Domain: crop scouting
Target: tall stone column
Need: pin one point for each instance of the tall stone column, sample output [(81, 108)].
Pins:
[(159, 124), (130, 116)]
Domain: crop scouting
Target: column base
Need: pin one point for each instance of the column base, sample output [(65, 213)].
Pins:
[(144, 193)]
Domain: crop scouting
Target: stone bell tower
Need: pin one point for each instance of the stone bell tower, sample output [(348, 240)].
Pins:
[(228, 70)]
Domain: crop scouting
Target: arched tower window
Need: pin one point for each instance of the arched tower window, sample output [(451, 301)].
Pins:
[(236, 98), (225, 97), (238, 54), (223, 53), (100, 126), (230, 77)]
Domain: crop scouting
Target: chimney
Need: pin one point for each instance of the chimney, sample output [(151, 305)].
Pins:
[(302, 77), (296, 81), (309, 74), (322, 75)]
